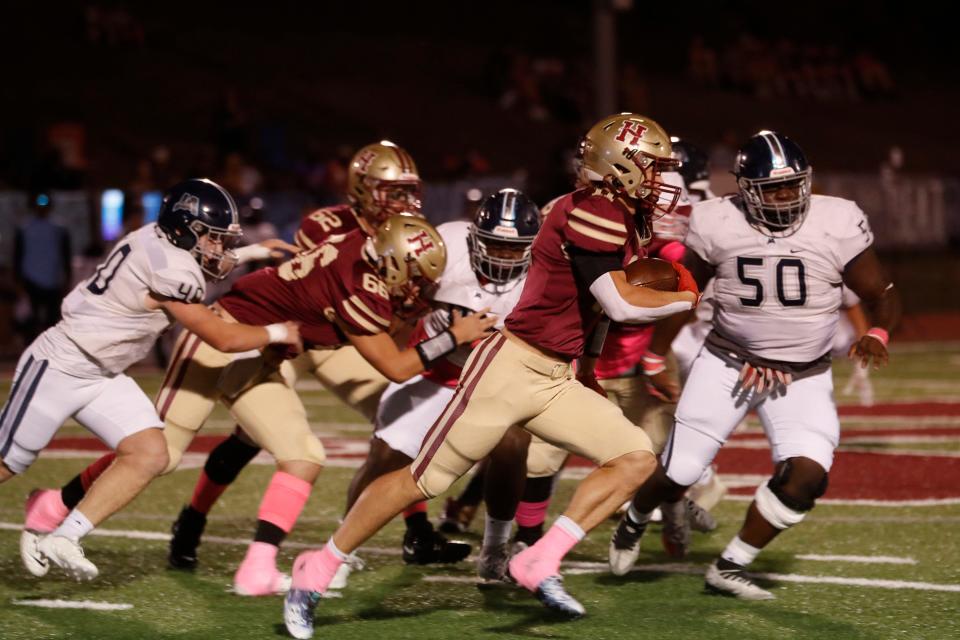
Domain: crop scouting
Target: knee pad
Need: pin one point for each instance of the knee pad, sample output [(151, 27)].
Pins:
[(805, 481), (229, 458), (773, 509), (178, 439), (683, 469)]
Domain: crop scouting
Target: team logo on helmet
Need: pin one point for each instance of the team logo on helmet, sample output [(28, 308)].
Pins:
[(189, 203), (631, 128), (422, 241)]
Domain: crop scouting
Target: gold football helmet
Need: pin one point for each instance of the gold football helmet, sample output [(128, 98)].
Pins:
[(628, 152), (411, 256), (382, 180)]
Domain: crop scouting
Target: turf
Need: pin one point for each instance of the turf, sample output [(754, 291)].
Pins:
[(390, 600)]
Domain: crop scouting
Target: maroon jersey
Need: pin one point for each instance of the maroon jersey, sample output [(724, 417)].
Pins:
[(316, 228), (552, 313), (333, 280)]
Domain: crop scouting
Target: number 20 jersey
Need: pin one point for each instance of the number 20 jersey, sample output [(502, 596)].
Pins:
[(778, 298), (106, 315)]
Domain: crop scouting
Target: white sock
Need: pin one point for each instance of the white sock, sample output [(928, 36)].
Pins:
[(636, 517), (571, 527), (340, 555), (75, 526), (740, 552), (496, 532)]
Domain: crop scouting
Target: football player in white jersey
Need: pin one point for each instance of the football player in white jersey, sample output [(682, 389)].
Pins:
[(487, 262), (779, 256), (153, 277)]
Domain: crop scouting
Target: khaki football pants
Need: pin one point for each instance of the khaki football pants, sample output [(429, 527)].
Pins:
[(264, 404), (344, 373), (504, 383)]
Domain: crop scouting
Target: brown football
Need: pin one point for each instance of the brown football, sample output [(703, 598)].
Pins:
[(653, 273)]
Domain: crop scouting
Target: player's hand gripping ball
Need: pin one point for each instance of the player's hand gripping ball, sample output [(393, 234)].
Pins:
[(653, 273)]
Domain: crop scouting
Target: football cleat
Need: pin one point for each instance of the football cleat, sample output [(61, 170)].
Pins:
[(676, 527), (298, 608), (186, 531), (456, 517), (729, 578), (67, 554), (251, 581), (492, 562), (34, 561), (554, 597), (351, 564), (426, 546), (625, 546), (700, 519)]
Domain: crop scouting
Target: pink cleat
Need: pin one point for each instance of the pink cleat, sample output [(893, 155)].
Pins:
[(258, 574)]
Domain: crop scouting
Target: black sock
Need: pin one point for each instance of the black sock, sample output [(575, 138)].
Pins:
[(473, 492), (418, 521), (269, 533), (72, 493), (529, 535)]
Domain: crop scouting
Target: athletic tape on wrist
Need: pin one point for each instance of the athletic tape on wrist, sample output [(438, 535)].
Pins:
[(277, 332), (879, 334), (436, 347), (653, 363)]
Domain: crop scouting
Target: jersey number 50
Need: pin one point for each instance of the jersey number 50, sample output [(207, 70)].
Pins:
[(786, 267)]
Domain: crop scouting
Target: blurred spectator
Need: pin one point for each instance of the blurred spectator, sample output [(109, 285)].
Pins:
[(41, 262)]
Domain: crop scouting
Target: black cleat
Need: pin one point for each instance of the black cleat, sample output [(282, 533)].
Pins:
[(186, 538), (426, 546)]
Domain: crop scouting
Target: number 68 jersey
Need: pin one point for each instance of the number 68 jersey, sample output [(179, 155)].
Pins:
[(106, 316), (777, 298)]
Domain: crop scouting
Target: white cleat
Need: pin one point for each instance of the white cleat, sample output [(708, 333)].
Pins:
[(729, 578), (351, 564), (625, 546), (67, 554), (298, 608), (34, 561)]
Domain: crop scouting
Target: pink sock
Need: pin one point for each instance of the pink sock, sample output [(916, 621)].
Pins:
[(284, 500), (206, 493), (531, 566), (416, 507), (45, 511), (260, 555), (313, 570), (532, 514)]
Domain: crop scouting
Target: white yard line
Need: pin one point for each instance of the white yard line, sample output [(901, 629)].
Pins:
[(858, 559), (74, 604), (865, 502), (571, 568)]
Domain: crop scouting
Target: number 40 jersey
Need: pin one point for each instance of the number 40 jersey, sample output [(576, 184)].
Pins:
[(777, 298), (106, 316)]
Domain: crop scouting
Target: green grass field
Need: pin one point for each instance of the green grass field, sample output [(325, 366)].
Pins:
[(390, 600)]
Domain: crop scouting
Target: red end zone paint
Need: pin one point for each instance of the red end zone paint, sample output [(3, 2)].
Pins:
[(855, 475)]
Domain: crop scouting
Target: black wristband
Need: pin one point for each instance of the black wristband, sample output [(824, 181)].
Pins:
[(434, 348)]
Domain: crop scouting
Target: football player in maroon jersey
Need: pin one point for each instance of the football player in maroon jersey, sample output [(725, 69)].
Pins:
[(344, 290), (524, 374)]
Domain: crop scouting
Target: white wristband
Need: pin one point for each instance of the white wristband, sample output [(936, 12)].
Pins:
[(252, 252), (277, 332)]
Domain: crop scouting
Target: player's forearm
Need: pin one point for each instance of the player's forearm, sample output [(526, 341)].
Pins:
[(404, 366), (623, 302), (885, 308), (665, 330)]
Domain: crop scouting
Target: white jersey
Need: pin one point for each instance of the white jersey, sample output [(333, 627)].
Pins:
[(778, 298), (459, 287), (106, 316)]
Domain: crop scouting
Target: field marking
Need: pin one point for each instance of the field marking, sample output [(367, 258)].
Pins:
[(571, 567), (860, 559), (602, 567), (864, 502), (74, 604)]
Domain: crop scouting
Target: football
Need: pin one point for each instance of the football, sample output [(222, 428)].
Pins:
[(653, 273)]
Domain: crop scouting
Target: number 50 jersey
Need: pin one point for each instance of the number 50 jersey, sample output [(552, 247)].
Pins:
[(107, 317), (778, 298)]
